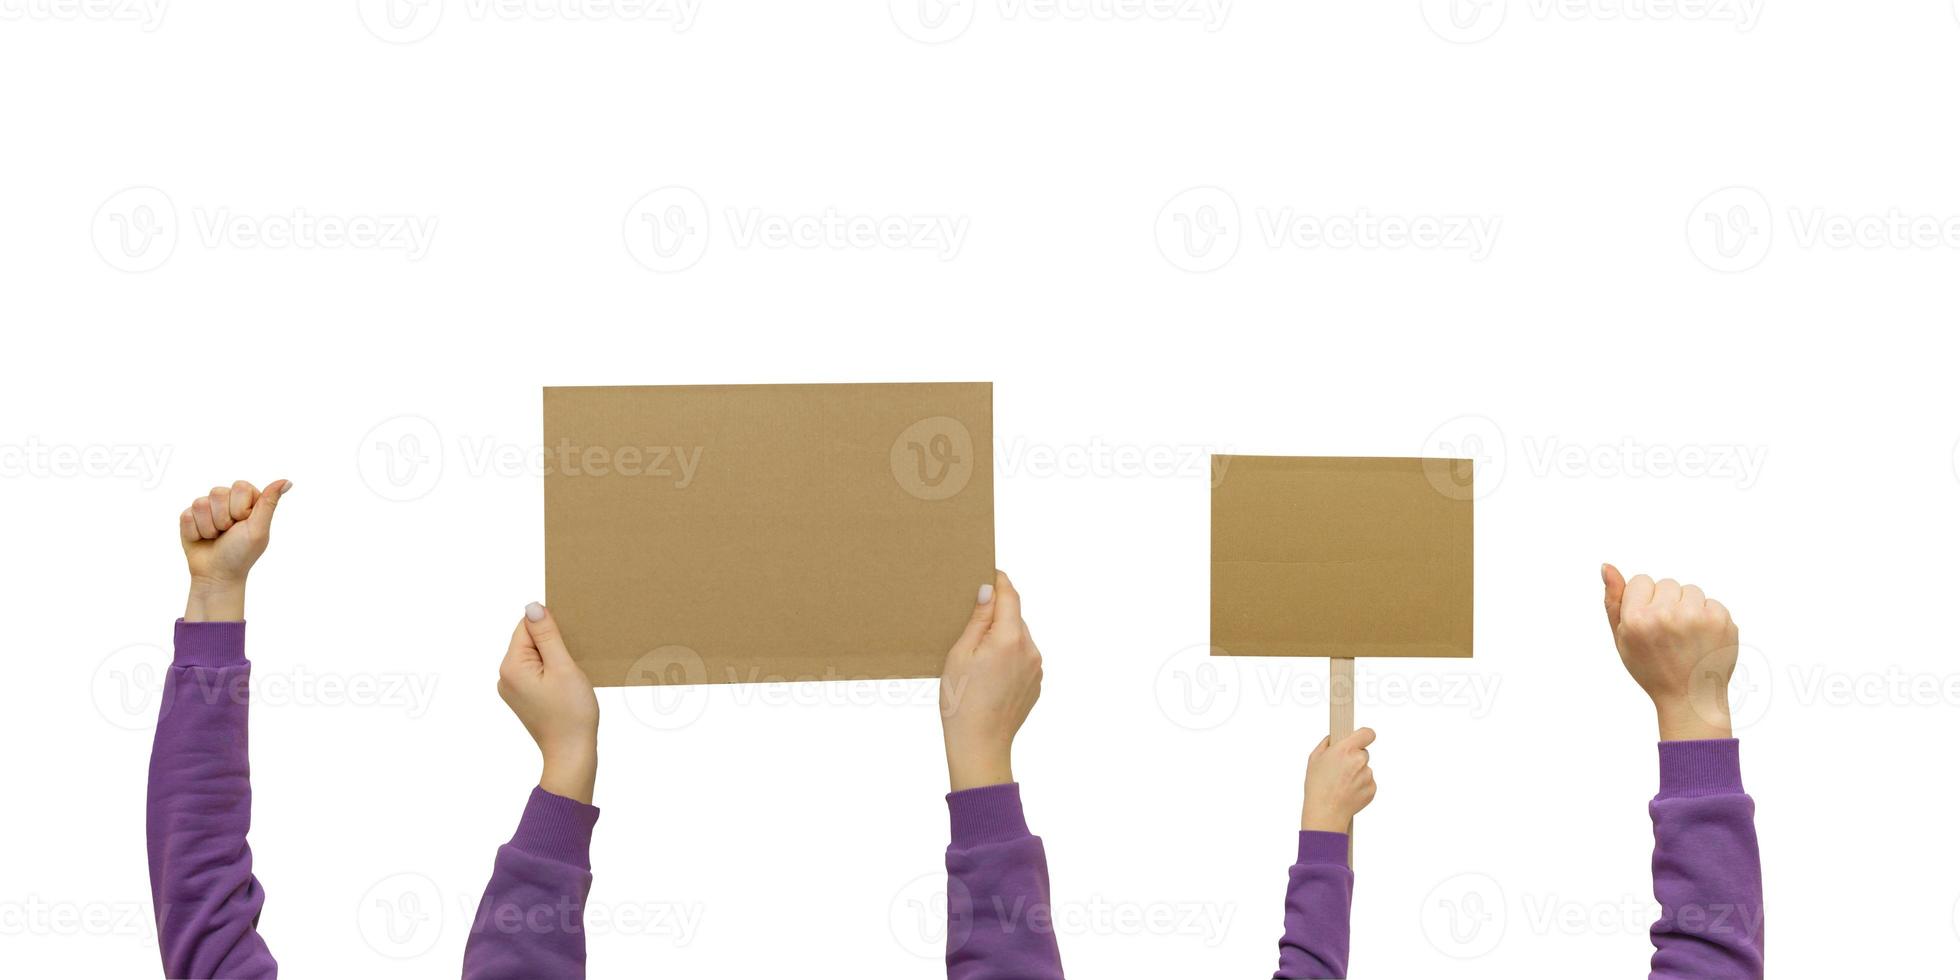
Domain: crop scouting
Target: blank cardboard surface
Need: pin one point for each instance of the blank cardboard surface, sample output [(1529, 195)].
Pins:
[(1334, 556), (738, 533)]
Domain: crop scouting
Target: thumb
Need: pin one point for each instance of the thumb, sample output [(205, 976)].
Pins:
[(268, 502), (982, 618), (543, 628), (1616, 586)]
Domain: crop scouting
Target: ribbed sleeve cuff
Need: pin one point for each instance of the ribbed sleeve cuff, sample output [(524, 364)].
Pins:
[(1704, 767), (210, 644), (988, 815), (1321, 847), (557, 828)]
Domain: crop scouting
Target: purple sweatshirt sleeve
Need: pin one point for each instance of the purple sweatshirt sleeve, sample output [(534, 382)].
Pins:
[(1708, 875), (1319, 893), (999, 923), (200, 808), (531, 922)]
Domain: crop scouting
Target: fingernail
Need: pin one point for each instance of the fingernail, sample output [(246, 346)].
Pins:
[(986, 594), (289, 487), (534, 613)]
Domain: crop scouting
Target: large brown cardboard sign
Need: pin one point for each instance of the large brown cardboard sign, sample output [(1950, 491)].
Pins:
[(1340, 557), (742, 533)]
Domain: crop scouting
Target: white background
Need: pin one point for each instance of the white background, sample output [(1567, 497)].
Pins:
[(1662, 183)]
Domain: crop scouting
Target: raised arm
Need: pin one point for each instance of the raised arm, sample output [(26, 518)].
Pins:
[(1320, 887), (1681, 647), (200, 792), (531, 921), (1000, 924)]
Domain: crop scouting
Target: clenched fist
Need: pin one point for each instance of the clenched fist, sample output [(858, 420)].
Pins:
[(1339, 783), (224, 533), (1680, 646), (550, 694), (991, 681)]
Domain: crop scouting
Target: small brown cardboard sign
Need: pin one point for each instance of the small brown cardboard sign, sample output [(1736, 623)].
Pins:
[(754, 533), (1325, 556)]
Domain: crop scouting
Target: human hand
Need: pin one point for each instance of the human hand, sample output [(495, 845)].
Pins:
[(223, 534), (1339, 783), (1680, 646), (991, 681), (550, 694)]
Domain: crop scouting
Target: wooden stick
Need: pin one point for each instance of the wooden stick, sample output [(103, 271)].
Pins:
[(1340, 713)]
